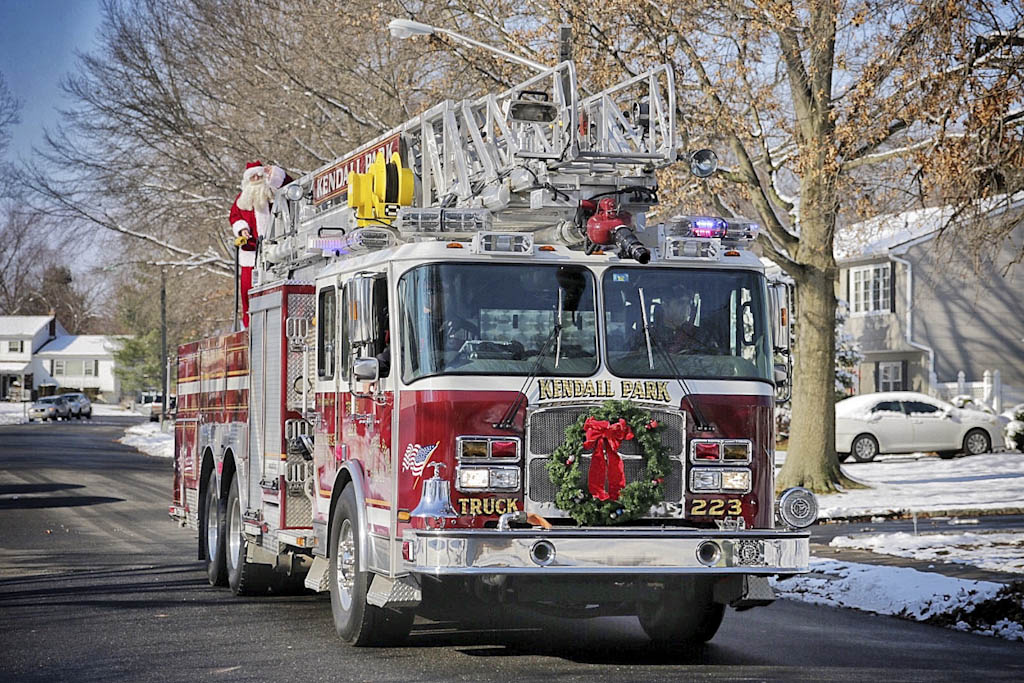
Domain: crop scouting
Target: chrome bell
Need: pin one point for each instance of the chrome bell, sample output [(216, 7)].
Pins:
[(435, 500)]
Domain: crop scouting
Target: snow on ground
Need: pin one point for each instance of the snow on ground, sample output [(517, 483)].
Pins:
[(13, 413), (921, 482), (983, 607), (17, 412), (148, 438), (1002, 552)]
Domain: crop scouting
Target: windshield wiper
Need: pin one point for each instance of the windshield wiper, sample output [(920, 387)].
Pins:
[(698, 416), (507, 421)]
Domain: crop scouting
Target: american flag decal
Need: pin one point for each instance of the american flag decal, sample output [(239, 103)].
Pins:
[(416, 457)]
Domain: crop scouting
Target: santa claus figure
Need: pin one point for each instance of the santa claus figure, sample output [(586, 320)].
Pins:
[(250, 218)]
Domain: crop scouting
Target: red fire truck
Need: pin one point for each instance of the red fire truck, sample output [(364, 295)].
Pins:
[(474, 364)]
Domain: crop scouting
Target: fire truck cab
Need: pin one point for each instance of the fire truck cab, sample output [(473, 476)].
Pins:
[(433, 316)]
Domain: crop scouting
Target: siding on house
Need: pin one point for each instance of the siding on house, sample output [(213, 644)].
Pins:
[(974, 321)]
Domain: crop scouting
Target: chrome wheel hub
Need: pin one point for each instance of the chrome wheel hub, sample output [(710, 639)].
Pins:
[(234, 532), (976, 444), (865, 448), (345, 576), (212, 526)]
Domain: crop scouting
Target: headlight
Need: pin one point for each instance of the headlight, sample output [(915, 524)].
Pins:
[(797, 508)]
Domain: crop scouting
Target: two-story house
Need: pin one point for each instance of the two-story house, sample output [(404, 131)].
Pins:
[(21, 336), (922, 314), (84, 362)]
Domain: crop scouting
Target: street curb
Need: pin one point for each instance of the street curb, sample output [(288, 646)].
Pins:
[(923, 514)]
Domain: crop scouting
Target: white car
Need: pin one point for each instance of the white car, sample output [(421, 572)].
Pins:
[(908, 422)]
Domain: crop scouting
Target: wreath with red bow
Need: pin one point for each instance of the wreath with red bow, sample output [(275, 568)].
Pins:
[(605, 497)]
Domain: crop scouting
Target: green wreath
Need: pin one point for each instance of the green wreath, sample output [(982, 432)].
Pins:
[(636, 498)]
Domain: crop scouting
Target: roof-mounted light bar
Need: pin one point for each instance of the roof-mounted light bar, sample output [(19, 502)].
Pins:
[(712, 227), (502, 243), (443, 222), (358, 241)]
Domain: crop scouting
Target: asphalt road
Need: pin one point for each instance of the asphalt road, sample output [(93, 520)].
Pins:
[(97, 584)]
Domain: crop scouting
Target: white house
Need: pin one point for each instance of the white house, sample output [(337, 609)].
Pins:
[(83, 362), (21, 336)]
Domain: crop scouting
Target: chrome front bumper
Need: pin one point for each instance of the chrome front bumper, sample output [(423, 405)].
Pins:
[(606, 551)]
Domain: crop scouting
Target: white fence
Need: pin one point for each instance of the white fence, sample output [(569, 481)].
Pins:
[(990, 391)]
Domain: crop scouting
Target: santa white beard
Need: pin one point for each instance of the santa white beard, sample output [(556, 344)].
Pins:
[(256, 195)]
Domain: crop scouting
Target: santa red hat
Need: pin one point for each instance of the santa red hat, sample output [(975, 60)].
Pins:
[(252, 168)]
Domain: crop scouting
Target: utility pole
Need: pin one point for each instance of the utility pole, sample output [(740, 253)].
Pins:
[(163, 344)]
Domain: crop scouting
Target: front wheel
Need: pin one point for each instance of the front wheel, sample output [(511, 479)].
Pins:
[(864, 448), (244, 577), (977, 442), (686, 616), (357, 621)]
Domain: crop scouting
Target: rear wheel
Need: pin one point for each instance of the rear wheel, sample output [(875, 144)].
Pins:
[(244, 577), (864, 448), (357, 621), (212, 536), (686, 616), (977, 442)]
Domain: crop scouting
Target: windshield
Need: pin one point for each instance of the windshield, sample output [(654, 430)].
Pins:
[(495, 319), (710, 323)]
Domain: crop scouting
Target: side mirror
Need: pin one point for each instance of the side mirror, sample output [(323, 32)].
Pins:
[(366, 369), (779, 307), (360, 310), (782, 374)]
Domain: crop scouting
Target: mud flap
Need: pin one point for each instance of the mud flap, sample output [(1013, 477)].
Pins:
[(397, 593), (318, 579), (744, 592)]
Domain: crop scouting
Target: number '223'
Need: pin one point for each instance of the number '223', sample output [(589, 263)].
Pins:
[(716, 507)]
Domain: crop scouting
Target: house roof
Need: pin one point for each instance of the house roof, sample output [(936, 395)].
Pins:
[(881, 235), (23, 325), (876, 236), (14, 367), (80, 345)]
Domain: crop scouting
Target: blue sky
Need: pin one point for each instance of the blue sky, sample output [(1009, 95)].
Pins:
[(38, 43)]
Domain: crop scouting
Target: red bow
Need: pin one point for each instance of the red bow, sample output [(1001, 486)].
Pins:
[(605, 438)]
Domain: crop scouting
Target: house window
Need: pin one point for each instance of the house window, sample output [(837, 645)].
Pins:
[(869, 288), (16, 346), (58, 367), (890, 376), (91, 367)]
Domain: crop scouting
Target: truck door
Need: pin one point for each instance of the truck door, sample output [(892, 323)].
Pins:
[(367, 419), (329, 345)]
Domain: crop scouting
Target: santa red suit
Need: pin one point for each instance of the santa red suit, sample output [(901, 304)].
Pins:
[(250, 218)]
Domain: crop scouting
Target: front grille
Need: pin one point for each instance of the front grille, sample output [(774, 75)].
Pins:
[(546, 430), (541, 490)]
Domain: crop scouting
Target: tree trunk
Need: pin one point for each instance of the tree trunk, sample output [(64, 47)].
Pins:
[(812, 431)]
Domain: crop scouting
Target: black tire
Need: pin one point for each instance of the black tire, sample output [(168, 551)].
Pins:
[(211, 535), (244, 577), (976, 442), (88, 416), (864, 448), (356, 621), (947, 455), (687, 615)]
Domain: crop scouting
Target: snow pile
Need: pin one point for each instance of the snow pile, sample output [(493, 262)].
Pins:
[(982, 607), (12, 413), (992, 551), (148, 438), (919, 483)]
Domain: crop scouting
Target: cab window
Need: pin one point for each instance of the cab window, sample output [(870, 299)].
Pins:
[(326, 329)]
